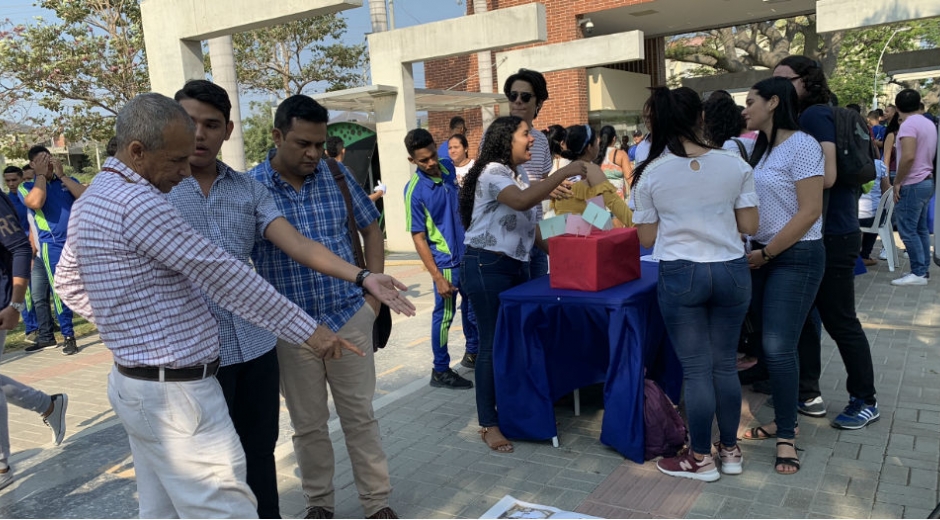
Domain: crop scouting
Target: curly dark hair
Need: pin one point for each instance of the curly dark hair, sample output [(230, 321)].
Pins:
[(497, 147), (723, 119), (814, 80)]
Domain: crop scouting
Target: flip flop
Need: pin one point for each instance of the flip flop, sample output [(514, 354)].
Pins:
[(495, 446)]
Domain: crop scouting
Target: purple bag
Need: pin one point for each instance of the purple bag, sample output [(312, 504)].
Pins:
[(665, 431)]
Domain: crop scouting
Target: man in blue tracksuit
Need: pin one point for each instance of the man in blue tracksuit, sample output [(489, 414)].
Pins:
[(432, 217), (49, 198)]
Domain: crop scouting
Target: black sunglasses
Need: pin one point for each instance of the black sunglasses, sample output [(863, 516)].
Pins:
[(526, 96)]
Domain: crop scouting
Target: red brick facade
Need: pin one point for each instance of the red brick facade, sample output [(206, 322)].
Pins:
[(567, 103)]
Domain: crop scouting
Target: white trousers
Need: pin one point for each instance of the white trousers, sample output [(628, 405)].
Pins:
[(187, 456)]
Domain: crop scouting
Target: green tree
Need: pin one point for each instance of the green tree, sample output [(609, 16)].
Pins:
[(256, 131), (755, 45), (849, 58), (292, 58), (82, 68)]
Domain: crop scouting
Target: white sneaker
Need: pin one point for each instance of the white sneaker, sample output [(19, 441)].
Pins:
[(6, 478), (910, 279), (56, 419), (884, 254)]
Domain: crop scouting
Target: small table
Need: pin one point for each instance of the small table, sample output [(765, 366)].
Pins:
[(551, 342)]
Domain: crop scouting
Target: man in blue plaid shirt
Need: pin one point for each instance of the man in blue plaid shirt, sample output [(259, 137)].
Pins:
[(235, 211), (307, 194)]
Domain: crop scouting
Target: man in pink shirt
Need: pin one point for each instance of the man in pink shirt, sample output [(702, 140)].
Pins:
[(914, 184)]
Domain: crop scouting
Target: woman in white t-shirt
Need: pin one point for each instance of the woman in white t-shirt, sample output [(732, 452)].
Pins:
[(497, 208), (458, 150), (693, 202), (787, 257)]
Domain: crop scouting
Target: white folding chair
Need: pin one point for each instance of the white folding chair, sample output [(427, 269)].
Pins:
[(881, 226)]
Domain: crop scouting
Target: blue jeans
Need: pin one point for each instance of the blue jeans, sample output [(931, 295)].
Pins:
[(486, 274), (443, 316), (784, 291), (703, 307), (910, 215), (538, 263)]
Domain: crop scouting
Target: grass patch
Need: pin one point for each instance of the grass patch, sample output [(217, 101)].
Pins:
[(16, 338)]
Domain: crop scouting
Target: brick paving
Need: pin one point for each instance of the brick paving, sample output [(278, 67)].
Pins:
[(440, 468)]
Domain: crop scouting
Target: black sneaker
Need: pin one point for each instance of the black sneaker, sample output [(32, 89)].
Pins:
[(469, 361), (32, 336), (449, 379), (318, 512), (39, 346), (70, 346)]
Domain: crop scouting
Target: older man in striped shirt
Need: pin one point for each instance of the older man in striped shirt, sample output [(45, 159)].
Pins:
[(132, 266)]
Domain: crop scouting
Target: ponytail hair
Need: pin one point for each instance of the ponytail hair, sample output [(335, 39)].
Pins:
[(608, 135), (556, 135), (674, 115), (497, 147), (577, 141)]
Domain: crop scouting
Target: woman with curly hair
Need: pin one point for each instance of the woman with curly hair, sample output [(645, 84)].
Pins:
[(724, 124), (497, 207)]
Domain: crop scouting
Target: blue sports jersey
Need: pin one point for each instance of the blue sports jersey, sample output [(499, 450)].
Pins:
[(432, 208), (52, 221)]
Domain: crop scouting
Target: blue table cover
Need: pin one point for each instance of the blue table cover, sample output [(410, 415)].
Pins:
[(550, 342)]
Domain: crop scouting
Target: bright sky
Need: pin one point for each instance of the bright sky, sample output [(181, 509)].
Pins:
[(407, 13)]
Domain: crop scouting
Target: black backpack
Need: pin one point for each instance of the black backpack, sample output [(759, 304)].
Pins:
[(855, 151)]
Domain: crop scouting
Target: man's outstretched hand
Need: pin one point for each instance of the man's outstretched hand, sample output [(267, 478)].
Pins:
[(388, 291), (326, 344)]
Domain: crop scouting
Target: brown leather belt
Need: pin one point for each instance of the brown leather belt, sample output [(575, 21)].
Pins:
[(163, 374)]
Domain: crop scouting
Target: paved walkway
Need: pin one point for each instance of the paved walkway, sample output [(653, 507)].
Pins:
[(440, 468)]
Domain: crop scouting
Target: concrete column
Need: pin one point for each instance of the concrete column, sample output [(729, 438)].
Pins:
[(379, 15), (484, 71), (222, 56), (178, 62)]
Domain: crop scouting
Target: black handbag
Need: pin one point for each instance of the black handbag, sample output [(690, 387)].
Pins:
[(382, 329)]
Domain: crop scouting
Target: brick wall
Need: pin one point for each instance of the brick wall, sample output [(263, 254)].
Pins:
[(567, 103)]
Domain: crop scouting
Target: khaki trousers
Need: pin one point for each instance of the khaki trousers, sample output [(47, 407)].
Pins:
[(351, 379)]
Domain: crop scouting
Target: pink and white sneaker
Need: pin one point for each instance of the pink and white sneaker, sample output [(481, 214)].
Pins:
[(686, 466), (731, 459)]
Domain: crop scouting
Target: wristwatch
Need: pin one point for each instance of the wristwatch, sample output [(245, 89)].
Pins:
[(20, 307), (361, 277)]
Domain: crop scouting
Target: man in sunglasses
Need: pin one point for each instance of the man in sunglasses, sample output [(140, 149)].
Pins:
[(527, 91)]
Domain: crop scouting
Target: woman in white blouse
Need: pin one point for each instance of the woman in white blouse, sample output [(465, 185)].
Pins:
[(787, 257), (693, 202), (497, 207)]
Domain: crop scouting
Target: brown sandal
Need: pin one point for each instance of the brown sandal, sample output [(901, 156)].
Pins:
[(499, 444)]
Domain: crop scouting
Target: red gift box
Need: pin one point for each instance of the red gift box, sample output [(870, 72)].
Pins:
[(595, 262)]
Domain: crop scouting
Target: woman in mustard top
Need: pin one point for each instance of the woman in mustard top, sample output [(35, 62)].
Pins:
[(582, 145)]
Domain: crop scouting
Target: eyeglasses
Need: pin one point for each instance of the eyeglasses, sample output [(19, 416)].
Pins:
[(526, 96)]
